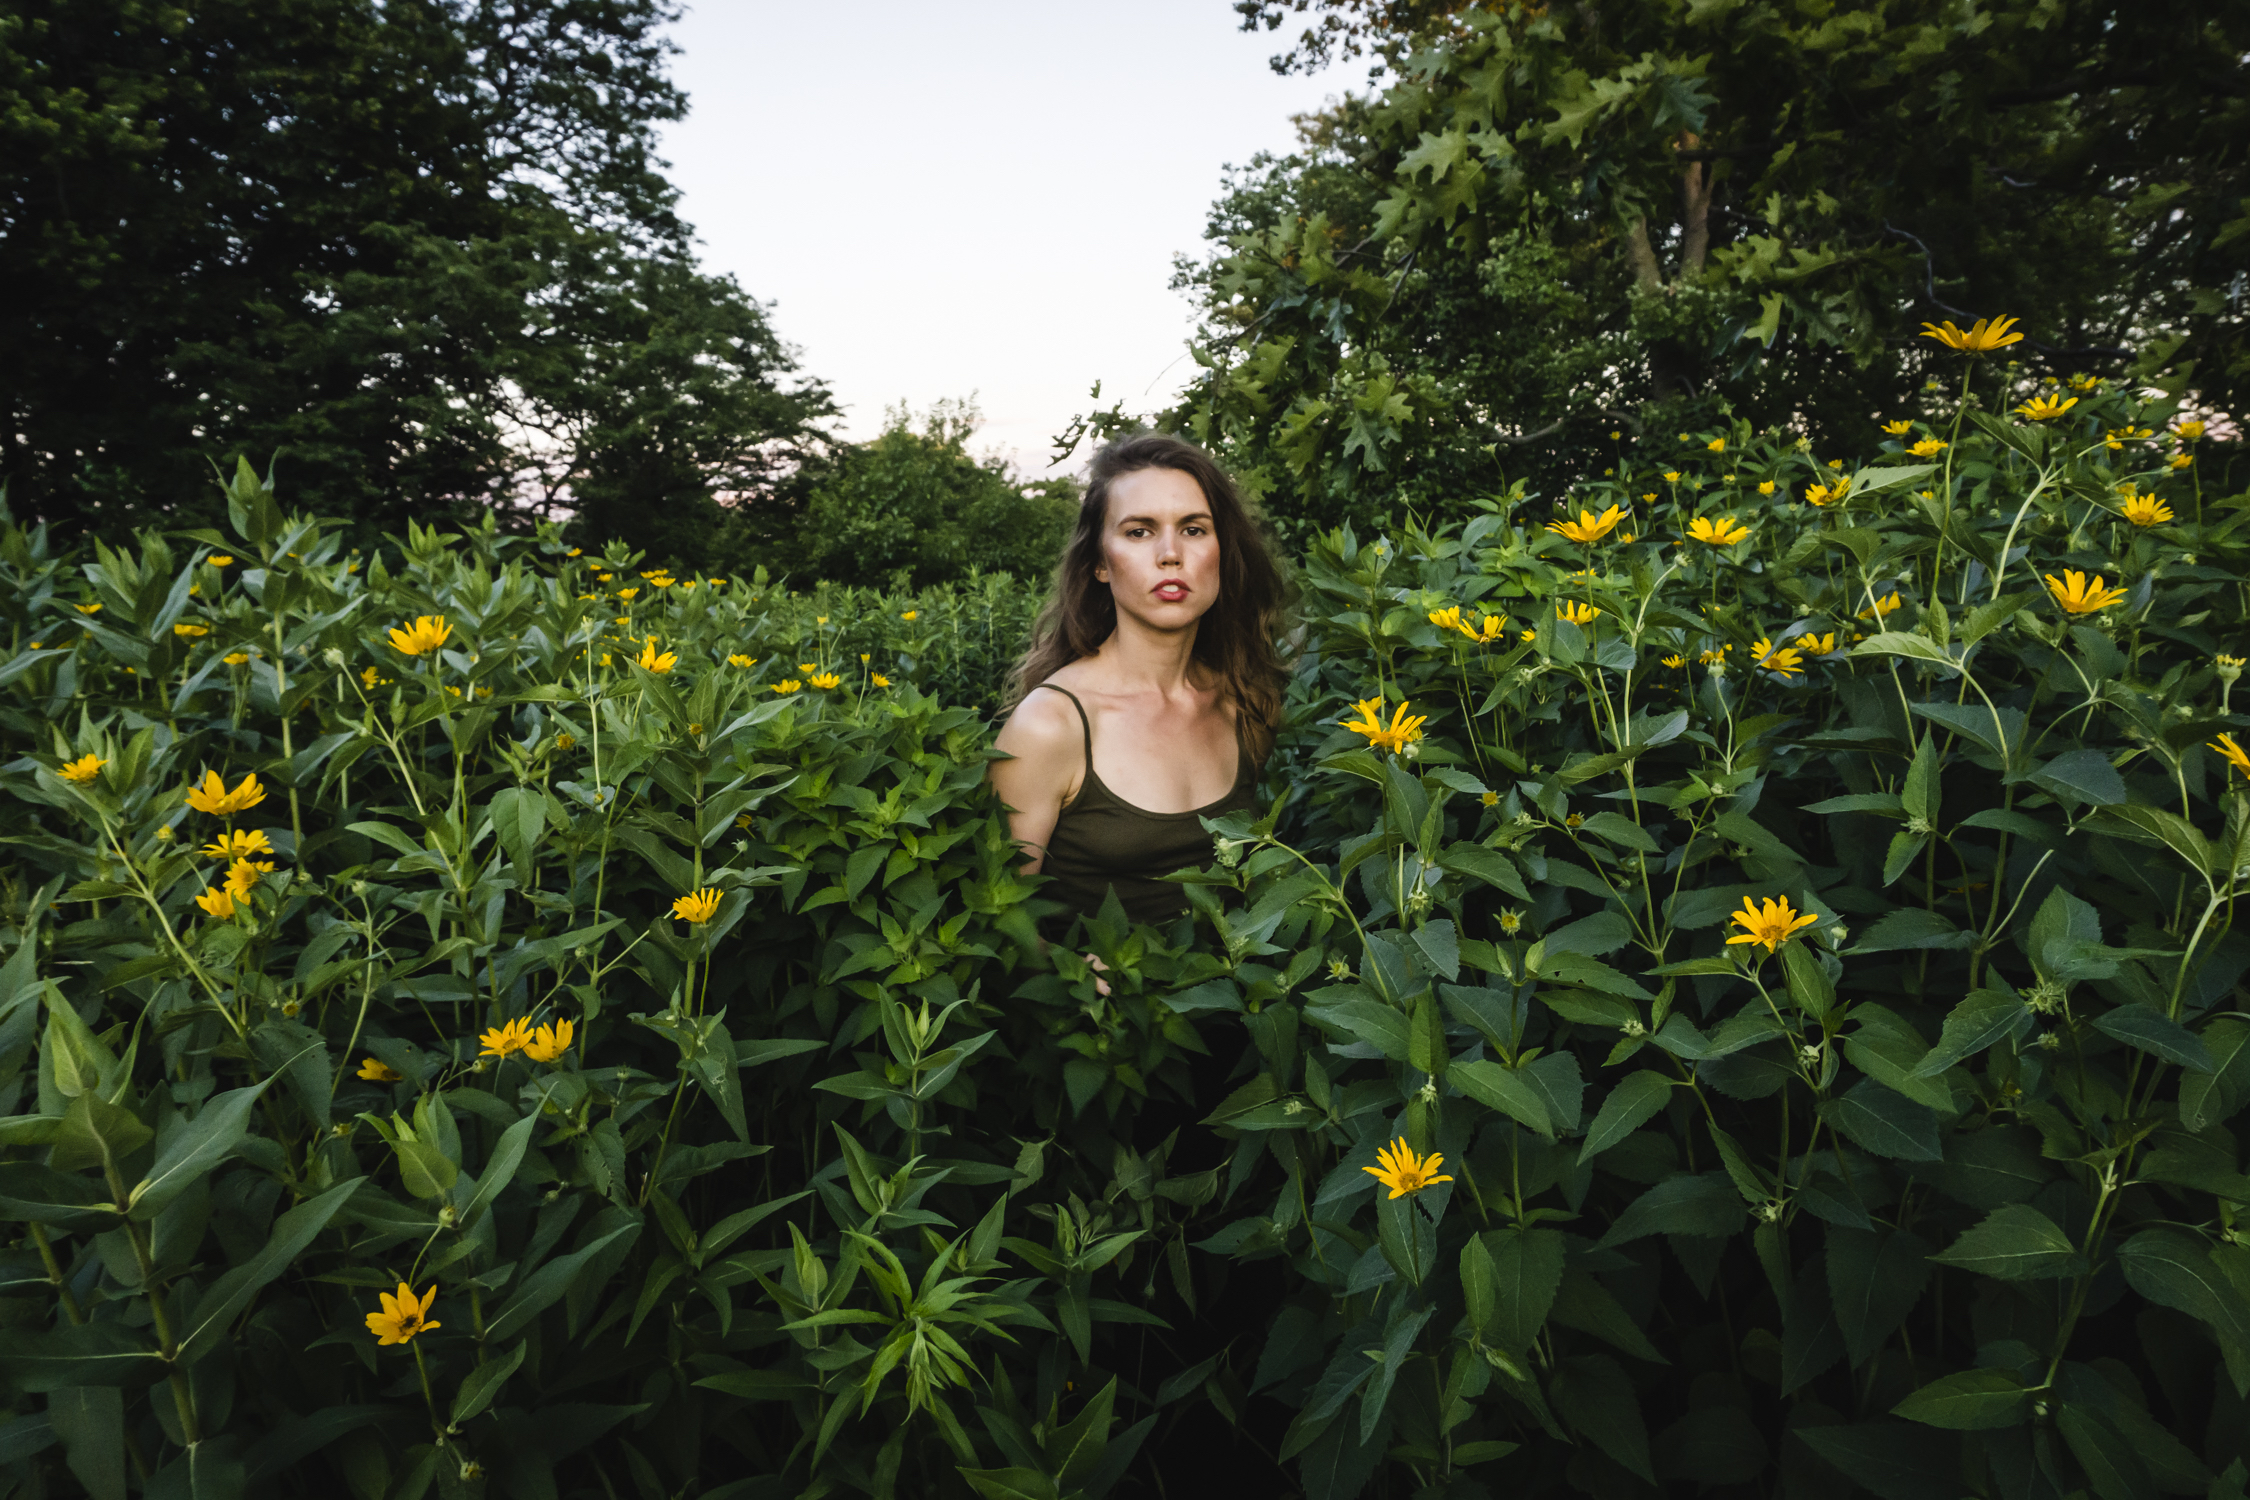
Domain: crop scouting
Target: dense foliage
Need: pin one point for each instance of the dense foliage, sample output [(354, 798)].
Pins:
[(638, 1076), (1564, 227), (420, 251)]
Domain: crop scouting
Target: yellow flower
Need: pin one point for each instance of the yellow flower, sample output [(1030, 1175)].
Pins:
[(1529, 635), (717, 583), (628, 595), (864, 658), (1765, 487), (2046, 408), (1588, 528), (698, 908), (1403, 729), (235, 658), (786, 685), (1771, 924), (243, 876), (2146, 510), (372, 679), (214, 798), (1982, 336), (375, 1071), (239, 844), (427, 633), (2188, 431), (808, 666), (656, 662), (1675, 661), (1783, 659), (216, 901), (1928, 448), (549, 1042), (910, 614), (1490, 799), (739, 660), (1720, 533), (565, 741), (1900, 428), (574, 552), (824, 680), (1575, 612), (82, 770), (1717, 658), (1449, 618), (1402, 1171), (1717, 445), (89, 609), (220, 561), (1672, 476), (506, 1039), (1881, 607), (1819, 494), (190, 632), (1818, 645), (403, 1316), (660, 583), (2179, 461), (1511, 923), (2235, 756), (603, 577), (879, 679), (2080, 597)]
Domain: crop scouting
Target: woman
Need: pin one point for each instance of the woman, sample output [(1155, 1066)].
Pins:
[(1152, 690)]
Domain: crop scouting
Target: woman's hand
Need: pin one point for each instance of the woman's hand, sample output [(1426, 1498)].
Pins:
[(1101, 986)]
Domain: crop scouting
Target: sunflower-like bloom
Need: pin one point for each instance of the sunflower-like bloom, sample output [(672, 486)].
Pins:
[(1817, 645), (2234, 753), (376, 1071), (879, 679), (220, 561), (2188, 431), (1820, 494), (1929, 448), (1675, 661), (824, 680), (216, 902), (1449, 618), (243, 877), (2179, 461), (214, 798), (426, 634), (506, 1039), (549, 1042), (1403, 730), (82, 770), (698, 908), (2082, 596), (2046, 408), (1588, 528), (1575, 612), (1881, 607), (739, 660), (1766, 486), (239, 844), (1786, 660), (1900, 428), (403, 1316), (1402, 1171), (188, 631), (628, 595), (2146, 510), (786, 685), (1772, 924), (908, 614), (655, 660), (1716, 657), (1981, 337), (1720, 533), (1717, 445), (89, 609)]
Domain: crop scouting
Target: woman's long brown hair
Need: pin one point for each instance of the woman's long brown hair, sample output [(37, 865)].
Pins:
[(1235, 638)]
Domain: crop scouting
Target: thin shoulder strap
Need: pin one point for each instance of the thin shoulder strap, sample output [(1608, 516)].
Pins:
[(1083, 722)]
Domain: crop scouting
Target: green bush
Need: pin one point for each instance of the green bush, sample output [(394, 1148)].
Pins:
[(852, 1187)]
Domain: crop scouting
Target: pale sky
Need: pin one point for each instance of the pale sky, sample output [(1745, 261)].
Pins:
[(977, 197)]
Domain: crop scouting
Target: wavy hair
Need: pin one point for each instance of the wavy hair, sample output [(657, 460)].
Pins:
[(1235, 639)]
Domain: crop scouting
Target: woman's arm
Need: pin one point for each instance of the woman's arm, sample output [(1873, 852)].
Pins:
[(1049, 747)]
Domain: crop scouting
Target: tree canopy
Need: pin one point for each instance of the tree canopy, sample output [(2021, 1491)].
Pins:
[(1561, 226), (419, 253)]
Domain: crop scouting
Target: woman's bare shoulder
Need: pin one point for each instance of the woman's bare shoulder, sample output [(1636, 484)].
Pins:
[(1042, 722)]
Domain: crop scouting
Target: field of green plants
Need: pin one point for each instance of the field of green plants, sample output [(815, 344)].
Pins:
[(1733, 986)]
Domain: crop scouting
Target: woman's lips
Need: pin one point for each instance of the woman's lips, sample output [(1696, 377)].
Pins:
[(1171, 593)]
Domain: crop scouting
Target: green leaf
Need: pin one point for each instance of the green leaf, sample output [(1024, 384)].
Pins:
[(1586, 1305), (1876, 1278), (105, 1353), (482, 1384), (2138, 821), (1011, 1484), (1982, 1019), (545, 1286), (214, 1314), (2137, 1026), (2015, 1243), (1685, 1204), (2207, 1099), (2084, 776), (194, 1148), (1526, 1269), (2174, 1268), (1969, 1401), (96, 1133), (1904, 643), (1629, 1106), (1502, 1089), (1886, 1122), (2112, 1467), (1592, 1394)]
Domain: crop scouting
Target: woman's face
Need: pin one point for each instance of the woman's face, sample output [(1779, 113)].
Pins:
[(1160, 548)]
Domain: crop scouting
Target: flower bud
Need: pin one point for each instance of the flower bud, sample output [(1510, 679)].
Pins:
[(334, 656)]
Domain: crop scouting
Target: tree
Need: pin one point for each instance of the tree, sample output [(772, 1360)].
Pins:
[(1564, 222), (417, 251), (915, 505)]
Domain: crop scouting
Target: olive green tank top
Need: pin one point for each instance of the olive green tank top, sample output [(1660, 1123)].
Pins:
[(1100, 840)]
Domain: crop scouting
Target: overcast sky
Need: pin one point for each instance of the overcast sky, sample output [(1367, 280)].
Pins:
[(979, 197)]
